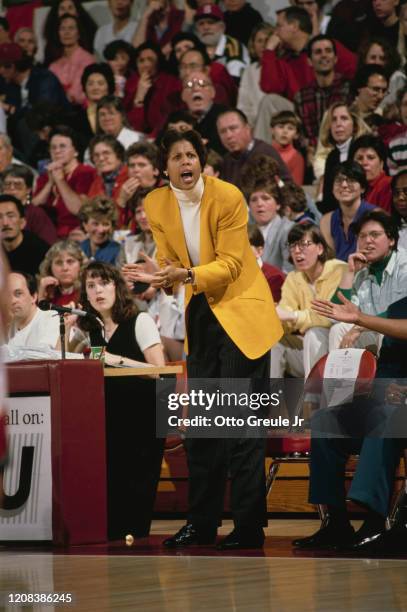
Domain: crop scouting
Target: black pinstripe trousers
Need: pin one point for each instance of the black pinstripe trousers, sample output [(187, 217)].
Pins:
[(212, 354)]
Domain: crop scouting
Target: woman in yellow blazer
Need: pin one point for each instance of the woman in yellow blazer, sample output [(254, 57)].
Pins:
[(199, 225)]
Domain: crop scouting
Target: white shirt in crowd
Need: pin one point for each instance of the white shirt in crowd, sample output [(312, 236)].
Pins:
[(43, 329)]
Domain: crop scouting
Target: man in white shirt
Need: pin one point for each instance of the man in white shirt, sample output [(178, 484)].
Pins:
[(120, 28), (30, 326)]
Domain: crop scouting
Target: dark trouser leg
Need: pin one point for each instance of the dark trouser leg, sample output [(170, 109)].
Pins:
[(213, 355), (372, 484), (327, 469)]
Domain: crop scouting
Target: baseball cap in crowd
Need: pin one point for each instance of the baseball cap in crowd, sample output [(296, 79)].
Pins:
[(209, 11), (10, 53)]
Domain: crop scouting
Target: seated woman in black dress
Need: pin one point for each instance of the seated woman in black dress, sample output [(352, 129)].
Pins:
[(134, 453)]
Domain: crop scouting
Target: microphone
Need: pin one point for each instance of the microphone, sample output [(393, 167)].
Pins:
[(44, 305)]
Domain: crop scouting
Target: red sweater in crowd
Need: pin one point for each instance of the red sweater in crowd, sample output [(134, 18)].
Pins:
[(287, 74), (151, 116), (79, 181), (379, 192)]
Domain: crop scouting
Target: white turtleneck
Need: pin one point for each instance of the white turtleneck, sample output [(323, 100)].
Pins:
[(344, 150), (189, 202)]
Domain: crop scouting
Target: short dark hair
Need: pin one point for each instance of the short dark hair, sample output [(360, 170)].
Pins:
[(293, 195), (67, 132), (368, 141), (256, 238), (30, 280), (110, 102), (19, 171), (286, 116), (137, 197), (6, 199), (103, 69), (171, 137), (363, 75), (235, 110), (297, 233), (153, 47), (119, 46), (144, 149), (394, 212), (300, 15), (316, 39), (111, 142), (352, 170), (378, 216)]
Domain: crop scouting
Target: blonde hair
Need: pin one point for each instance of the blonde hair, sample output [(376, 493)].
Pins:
[(62, 246), (359, 126)]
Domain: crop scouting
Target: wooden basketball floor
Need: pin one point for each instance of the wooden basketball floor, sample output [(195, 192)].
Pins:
[(145, 577)]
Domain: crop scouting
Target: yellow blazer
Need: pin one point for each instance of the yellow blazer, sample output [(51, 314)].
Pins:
[(228, 273)]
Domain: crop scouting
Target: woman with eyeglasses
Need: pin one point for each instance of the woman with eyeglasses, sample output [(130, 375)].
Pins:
[(316, 274), (147, 91), (349, 186), (108, 157), (62, 189)]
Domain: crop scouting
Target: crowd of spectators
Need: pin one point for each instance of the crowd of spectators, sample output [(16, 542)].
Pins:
[(307, 115)]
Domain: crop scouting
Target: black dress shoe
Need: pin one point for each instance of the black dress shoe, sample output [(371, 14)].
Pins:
[(188, 535), (242, 538), (329, 536), (393, 541)]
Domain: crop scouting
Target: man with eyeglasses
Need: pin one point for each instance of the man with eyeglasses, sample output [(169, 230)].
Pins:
[(375, 278), (370, 87), (198, 94)]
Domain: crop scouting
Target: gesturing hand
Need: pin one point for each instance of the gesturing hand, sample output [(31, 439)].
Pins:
[(347, 312)]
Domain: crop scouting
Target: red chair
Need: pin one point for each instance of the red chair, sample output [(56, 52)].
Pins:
[(296, 448)]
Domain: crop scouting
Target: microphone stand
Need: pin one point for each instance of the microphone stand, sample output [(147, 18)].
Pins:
[(62, 334)]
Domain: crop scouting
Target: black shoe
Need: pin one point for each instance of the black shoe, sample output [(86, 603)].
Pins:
[(242, 538), (188, 536), (329, 536), (393, 541)]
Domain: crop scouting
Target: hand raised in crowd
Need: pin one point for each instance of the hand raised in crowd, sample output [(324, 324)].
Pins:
[(56, 171), (357, 261), (347, 312), (144, 84), (273, 42), (128, 188), (152, 6), (46, 287)]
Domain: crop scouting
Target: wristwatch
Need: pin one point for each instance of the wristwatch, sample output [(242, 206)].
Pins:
[(190, 277)]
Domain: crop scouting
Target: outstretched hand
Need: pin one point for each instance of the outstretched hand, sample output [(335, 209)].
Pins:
[(347, 312)]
